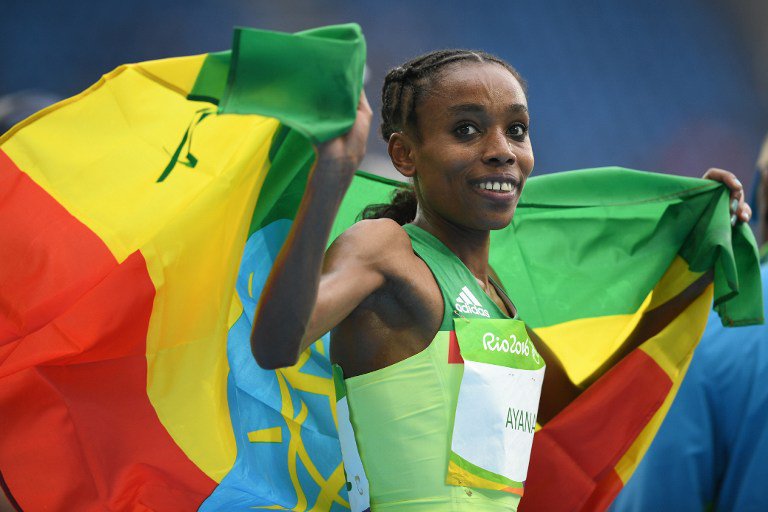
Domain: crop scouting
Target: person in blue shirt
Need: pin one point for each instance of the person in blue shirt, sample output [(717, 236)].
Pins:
[(711, 452)]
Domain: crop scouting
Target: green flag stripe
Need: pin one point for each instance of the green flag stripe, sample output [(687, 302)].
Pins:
[(597, 255), (212, 78), (313, 88)]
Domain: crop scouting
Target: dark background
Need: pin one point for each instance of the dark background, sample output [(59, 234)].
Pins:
[(660, 86)]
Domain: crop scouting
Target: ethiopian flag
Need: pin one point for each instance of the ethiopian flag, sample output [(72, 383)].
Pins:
[(588, 256), (126, 380), (138, 223)]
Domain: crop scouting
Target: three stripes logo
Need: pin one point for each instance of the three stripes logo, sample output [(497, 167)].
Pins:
[(468, 303)]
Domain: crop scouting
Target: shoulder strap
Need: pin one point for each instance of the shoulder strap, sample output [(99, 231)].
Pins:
[(462, 295), (504, 296)]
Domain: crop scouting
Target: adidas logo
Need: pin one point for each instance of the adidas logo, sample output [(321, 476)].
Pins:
[(468, 303)]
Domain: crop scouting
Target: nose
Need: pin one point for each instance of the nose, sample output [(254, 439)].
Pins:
[(498, 149)]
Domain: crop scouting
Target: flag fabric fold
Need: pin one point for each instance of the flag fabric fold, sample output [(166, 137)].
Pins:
[(138, 224), (588, 254), (124, 214)]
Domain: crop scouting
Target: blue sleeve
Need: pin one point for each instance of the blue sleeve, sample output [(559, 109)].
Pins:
[(712, 448)]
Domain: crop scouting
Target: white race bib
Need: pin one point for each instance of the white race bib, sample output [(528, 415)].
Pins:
[(497, 405)]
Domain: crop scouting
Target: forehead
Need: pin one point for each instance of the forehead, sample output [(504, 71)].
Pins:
[(484, 83)]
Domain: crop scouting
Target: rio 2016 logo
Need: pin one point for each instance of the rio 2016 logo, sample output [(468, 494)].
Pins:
[(493, 343)]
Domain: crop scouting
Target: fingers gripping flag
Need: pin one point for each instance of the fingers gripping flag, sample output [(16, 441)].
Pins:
[(589, 254), (138, 223)]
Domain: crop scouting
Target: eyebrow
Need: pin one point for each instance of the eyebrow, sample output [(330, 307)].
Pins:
[(473, 107)]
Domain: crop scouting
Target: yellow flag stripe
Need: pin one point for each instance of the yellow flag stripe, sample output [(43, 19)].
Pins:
[(582, 344), (330, 487), (673, 349), (136, 117), (177, 73), (267, 435)]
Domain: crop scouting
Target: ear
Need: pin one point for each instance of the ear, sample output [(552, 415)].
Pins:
[(401, 151)]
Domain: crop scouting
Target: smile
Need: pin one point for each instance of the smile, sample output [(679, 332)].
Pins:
[(499, 190), (496, 186)]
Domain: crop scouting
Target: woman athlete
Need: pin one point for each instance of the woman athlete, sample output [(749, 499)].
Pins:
[(455, 123)]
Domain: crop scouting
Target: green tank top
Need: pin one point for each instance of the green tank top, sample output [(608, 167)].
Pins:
[(403, 415)]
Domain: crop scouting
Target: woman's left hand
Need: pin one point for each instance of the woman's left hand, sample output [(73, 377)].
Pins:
[(740, 210)]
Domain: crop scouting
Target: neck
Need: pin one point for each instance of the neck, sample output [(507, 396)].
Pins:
[(469, 245)]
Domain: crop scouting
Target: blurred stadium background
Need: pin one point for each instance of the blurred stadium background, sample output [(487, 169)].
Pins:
[(660, 86)]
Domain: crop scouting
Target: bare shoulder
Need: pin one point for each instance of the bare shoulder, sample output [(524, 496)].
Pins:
[(374, 242), (379, 232), (400, 315)]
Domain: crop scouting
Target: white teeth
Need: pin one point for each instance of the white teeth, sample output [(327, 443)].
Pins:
[(495, 186)]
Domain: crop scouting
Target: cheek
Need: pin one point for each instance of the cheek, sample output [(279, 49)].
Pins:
[(526, 160), (444, 167), (457, 161), (441, 186)]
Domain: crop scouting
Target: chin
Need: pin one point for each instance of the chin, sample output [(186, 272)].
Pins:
[(495, 226), (501, 221), (494, 223)]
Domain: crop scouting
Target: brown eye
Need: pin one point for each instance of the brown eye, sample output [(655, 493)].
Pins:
[(518, 130), (466, 130)]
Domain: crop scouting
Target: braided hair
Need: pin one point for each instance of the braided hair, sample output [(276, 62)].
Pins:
[(404, 86)]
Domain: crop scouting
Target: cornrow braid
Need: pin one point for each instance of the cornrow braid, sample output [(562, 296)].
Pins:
[(403, 88), (404, 85)]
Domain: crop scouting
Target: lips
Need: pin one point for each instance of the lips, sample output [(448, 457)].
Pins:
[(499, 187), (503, 186)]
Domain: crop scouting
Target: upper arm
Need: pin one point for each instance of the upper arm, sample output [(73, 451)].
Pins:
[(356, 265)]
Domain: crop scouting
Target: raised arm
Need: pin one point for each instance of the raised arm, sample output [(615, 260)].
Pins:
[(291, 314)]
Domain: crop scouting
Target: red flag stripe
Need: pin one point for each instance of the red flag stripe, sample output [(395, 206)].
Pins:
[(605, 493), (79, 432), (454, 352), (592, 434)]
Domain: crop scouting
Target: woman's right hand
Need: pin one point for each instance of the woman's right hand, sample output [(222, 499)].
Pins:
[(300, 301), (343, 154)]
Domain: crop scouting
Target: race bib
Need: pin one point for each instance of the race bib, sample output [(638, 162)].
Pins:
[(497, 405)]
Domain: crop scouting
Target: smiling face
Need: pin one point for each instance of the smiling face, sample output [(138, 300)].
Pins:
[(470, 154)]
